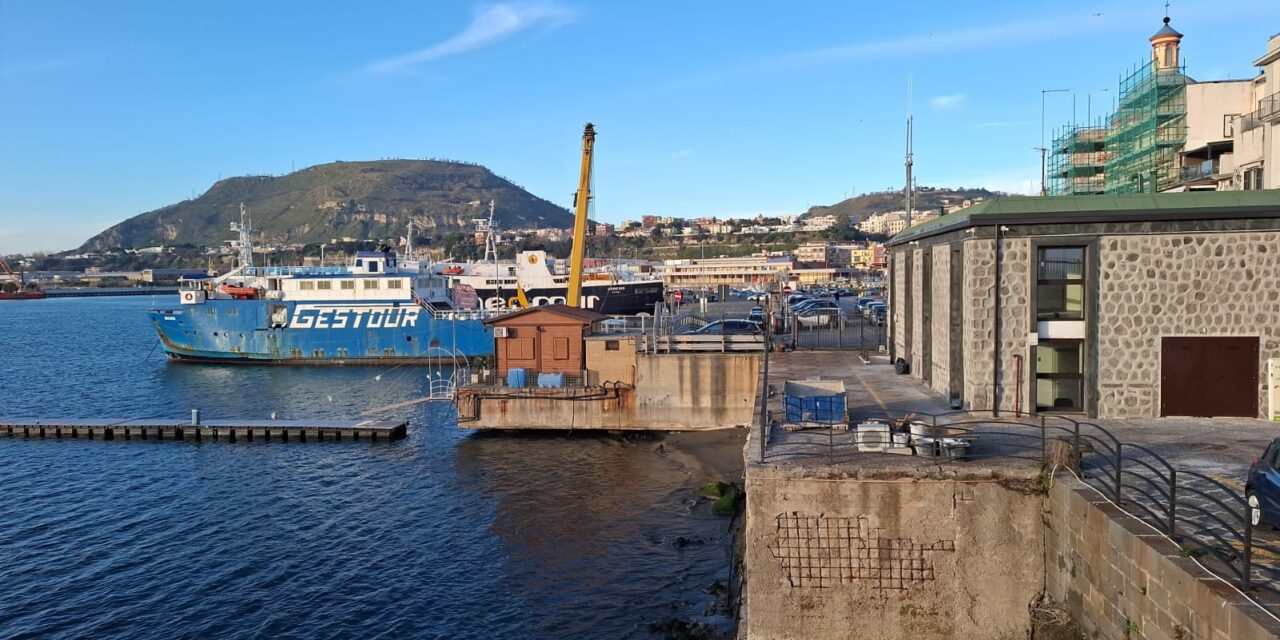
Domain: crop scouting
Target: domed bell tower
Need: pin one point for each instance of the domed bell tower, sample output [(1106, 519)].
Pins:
[(1164, 48)]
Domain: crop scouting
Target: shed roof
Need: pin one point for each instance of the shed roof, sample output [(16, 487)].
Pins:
[(1128, 207), (585, 316)]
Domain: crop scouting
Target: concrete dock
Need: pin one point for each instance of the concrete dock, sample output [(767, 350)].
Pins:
[(229, 430)]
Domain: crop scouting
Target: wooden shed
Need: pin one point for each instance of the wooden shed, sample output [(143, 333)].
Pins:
[(545, 339)]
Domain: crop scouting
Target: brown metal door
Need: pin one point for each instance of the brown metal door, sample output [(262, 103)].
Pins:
[(1209, 377)]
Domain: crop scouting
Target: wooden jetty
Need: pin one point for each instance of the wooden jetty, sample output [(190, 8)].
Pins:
[(229, 430)]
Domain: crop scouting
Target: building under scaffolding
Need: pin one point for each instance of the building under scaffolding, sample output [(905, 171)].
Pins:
[(1137, 149), (1077, 164), (1147, 130)]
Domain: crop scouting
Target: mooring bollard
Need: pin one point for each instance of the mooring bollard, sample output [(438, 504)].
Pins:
[(195, 417)]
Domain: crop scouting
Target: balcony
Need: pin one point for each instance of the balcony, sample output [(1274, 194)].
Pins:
[(1206, 170), (1269, 108)]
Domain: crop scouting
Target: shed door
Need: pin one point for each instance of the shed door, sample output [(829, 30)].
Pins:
[(1209, 377)]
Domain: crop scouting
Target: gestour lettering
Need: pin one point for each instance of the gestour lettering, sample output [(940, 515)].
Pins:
[(313, 317)]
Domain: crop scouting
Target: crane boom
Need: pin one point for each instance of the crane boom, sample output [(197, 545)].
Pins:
[(581, 202)]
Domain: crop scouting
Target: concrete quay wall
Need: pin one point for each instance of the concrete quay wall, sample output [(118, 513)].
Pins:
[(676, 392), (895, 553), (1120, 580)]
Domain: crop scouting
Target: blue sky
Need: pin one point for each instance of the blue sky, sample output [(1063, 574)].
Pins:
[(702, 108)]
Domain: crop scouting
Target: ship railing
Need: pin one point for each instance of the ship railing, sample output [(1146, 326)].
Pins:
[(264, 272)]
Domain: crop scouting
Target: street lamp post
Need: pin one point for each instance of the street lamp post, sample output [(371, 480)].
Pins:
[(1044, 190)]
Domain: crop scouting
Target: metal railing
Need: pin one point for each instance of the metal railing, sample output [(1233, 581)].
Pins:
[(1207, 517)]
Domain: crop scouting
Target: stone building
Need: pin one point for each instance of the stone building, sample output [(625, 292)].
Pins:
[(1111, 306)]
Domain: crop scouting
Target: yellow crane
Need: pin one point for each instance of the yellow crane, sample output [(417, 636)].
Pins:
[(580, 203)]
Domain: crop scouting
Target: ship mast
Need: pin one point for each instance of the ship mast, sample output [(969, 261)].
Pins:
[(245, 241), (581, 202)]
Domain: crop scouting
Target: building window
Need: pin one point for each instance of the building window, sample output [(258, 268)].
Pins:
[(1060, 283), (349, 285), (395, 284), (560, 349), (611, 345), (1253, 179), (306, 285), (324, 284), (371, 284), (1060, 375)]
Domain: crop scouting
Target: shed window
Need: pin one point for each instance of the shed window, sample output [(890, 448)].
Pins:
[(560, 349), (610, 345), (520, 348), (1060, 283)]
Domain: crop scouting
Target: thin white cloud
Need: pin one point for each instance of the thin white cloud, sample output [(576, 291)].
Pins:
[(950, 40), (492, 24), (682, 153), (947, 102)]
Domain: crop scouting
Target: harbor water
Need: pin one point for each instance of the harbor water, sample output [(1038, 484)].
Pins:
[(444, 534)]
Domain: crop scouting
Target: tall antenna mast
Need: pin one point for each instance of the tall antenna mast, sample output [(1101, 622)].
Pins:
[(910, 186)]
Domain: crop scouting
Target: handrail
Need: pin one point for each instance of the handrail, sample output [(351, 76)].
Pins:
[(1194, 509)]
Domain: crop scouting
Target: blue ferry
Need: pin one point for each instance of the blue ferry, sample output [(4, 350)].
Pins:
[(380, 309)]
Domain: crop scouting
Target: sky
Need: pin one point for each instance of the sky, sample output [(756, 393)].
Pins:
[(710, 108)]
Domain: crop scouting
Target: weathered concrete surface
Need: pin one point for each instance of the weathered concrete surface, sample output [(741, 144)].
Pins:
[(954, 552), (676, 392), (1119, 579)]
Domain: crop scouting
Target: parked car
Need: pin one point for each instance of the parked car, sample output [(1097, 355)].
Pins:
[(756, 315), (808, 305), (728, 328), (878, 316), (758, 296), (820, 317), (1262, 488), (872, 308), (797, 297), (864, 301)]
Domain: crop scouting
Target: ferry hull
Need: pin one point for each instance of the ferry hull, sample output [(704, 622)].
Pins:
[(612, 299), (282, 332)]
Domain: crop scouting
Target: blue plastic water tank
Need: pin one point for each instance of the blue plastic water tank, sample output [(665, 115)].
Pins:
[(517, 378), (550, 380)]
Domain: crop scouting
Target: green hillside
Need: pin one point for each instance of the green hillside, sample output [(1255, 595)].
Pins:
[(363, 200), (864, 206)]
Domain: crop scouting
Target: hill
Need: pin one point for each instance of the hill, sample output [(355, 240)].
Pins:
[(864, 206), (362, 200)]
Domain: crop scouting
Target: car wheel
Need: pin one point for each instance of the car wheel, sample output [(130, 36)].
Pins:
[(1255, 509)]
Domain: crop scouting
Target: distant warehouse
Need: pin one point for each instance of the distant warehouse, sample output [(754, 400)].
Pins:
[(1109, 306)]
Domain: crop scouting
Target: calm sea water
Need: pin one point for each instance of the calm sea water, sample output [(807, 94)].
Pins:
[(445, 534)]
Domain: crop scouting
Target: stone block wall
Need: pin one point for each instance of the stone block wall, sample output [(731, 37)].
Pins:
[(898, 272), (979, 329), (1015, 323), (1121, 580), (1150, 286), (917, 313), (940, 320)]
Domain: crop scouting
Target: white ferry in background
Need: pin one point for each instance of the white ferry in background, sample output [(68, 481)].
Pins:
[(533, 279)]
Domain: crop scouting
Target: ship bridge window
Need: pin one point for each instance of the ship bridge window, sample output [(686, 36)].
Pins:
[(324, 284), (371, 284), (307, 285), (395, 284), (373, 266), (349, 284)]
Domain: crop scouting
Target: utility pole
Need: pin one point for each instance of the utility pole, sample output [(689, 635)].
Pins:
[(1044, 188)]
